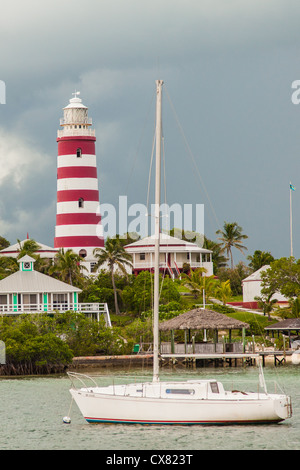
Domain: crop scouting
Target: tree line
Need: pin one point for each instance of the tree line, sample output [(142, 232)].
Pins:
[(43, 343), (67, 265)]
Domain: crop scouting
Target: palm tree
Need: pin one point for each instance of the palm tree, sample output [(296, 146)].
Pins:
[(223, 291), (198, 283), (193, 281), (219, 260), (266, 303), (231, 237), (29, 247), (114, 255), (67, 267), (259, 259)]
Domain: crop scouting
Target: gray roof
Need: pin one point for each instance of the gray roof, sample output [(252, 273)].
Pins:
[(199, 319), (256, 276), (33, 282), (166, 242), (15, 249), (287, 324)]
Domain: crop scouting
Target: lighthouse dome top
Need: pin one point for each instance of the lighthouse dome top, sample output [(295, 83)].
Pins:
[(75, 102), (76, 121)]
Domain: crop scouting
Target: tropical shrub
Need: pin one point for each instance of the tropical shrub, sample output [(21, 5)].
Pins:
[(138, 295)]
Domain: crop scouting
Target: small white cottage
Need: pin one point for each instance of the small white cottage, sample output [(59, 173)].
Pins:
[(252, 288)]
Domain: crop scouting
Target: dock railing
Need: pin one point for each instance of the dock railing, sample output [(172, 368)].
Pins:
[(200, 348)]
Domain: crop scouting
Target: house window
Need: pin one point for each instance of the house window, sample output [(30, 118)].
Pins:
[(80, 202), (187, 256), (92, 266), (78, 153), (142, 256), (60, 301)]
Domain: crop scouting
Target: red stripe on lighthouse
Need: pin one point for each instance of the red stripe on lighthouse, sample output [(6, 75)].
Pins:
[(69, 195), (70, 242), (69, 145), (75, 219), (77, 172)]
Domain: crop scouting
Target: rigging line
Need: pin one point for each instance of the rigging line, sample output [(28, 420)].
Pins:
[(166, 215), (140, 142), (164, 168), (164, 172), (193, 159), (165, 187), (149, 180)]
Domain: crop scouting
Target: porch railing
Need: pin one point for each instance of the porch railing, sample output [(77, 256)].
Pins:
[(96, 309)]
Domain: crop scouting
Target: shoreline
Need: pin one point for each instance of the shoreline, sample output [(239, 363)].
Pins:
[(144, 361), (112, 361)]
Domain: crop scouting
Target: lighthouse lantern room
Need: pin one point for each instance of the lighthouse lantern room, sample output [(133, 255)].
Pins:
[(78, 220)]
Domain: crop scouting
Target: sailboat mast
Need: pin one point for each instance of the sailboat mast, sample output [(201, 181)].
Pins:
[(159, 84)]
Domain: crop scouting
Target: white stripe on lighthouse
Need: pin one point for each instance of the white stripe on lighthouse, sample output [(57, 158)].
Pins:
[(92, 207), (76, 230), (77, 183), (73, 160)]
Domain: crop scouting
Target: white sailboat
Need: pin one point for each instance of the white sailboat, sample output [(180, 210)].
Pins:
[(174, 402)]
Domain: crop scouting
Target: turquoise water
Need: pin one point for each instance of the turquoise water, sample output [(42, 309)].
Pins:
[(32, 409)]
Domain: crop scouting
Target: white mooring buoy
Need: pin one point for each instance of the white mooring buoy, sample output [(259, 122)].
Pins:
[(67, 419)]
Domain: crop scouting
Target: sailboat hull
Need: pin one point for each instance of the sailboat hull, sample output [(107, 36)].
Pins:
[(107, 408)]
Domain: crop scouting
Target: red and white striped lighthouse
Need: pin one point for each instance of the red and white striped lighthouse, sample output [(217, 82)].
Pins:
[(78, 220)]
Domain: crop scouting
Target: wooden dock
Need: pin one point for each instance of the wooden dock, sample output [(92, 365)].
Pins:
[(221, 359), (205, 360), (187, 360)]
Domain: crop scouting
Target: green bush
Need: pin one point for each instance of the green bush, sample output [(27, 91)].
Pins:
[(222, 308), (43, 343), (137, 296)]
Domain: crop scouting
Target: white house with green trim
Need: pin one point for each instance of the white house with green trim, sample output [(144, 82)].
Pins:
[(29, 291)]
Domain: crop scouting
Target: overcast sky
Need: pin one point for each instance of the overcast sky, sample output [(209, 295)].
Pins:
[(232, 132)]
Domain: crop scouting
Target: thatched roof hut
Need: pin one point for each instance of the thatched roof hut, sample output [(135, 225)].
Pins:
[(200, 319)]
